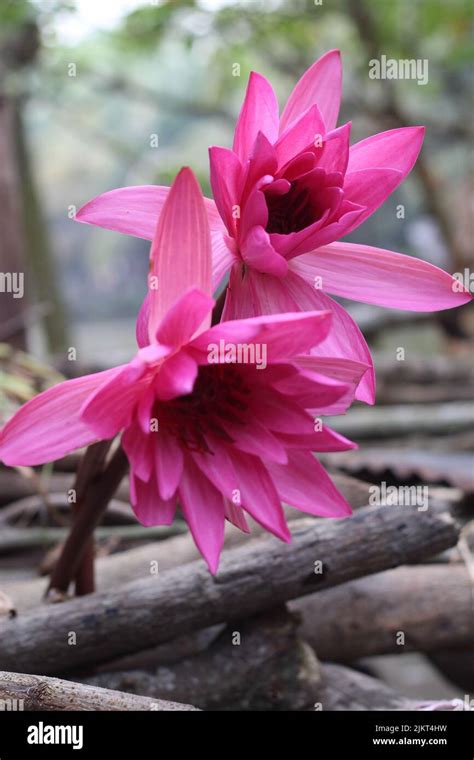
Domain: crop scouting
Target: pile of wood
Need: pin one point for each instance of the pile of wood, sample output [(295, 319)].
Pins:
[(280, 627)]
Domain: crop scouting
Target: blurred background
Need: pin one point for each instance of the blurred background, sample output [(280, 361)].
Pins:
[(99, 95)]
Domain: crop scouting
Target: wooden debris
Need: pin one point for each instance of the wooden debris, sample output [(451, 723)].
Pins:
[(252, 578), (420, 608)]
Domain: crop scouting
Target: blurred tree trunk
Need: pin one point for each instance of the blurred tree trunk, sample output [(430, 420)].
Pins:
[(39, 254), (24, 246), (12, 240)]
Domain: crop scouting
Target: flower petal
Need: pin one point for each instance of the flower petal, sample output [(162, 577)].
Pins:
[(134, 210), (258, 494), (299, 135), (259, 113), (385, 278), (50, 426), (169, 464), (304, 483), (203, 508), (225, 171), (181, 250), (368, 188), (150, 509), (394, 149), (320, 84), (258, 253), (176, 376), (345, 338), (184, 318)]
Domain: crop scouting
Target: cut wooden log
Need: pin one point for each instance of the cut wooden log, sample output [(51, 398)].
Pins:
[(41, 693), (255, 577), (420, 608)]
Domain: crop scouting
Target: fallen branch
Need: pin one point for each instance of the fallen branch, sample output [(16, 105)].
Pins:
[(41, 693), (421, 608), (120, 568), (257, 576)]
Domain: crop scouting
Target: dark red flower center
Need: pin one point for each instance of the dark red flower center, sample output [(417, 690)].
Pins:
[(290, 212), (219, 395)]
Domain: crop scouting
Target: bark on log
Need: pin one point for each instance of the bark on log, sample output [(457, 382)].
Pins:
[(260, 664), (261, 574), (118, 569), (54, 694), (431, 605)]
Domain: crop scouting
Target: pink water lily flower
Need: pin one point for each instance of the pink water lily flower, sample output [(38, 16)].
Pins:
[(287, 191), (220, 437)]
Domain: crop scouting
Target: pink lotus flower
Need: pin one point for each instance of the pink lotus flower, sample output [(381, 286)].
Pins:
[(217, 437), (289, 189)]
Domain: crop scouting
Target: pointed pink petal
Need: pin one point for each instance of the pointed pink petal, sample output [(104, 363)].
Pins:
[(217, 466), (282, 335), (235, 515), (312, 389), (320, 84), (258, 253), (109, 409), (256, 439), (385, 278), (203, 508), (369, 188), (141, 327), (395, 149), (50, 426), (189, 313), (169, 464), (299, 135), (250, 294), (135, 210), (345, 338), (259, 113), (346, 370), (176, 377), (325, 439), (304, 483), (150, 509), (225, 171), (140, 450), (181, 250), (333, 155), (223, 257), (259, 497)]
